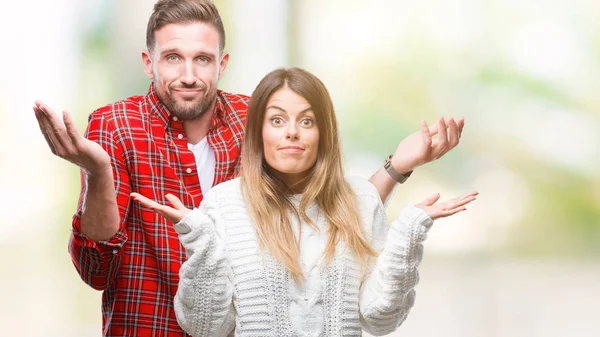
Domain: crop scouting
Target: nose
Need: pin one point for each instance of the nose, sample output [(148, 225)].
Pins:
[(188, 77), (292, 131)]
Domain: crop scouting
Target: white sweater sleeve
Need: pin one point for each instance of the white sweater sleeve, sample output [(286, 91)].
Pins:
[(387, 294), (203, 303)]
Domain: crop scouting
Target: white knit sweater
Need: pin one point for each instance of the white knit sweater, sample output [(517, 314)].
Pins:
[(228, 283)]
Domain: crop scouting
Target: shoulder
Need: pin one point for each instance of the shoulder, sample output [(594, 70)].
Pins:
[(226, 201), (228, 187), (234, 106), (362, 187), (130, 106), (234, 99), (228, 190), (367, 197)]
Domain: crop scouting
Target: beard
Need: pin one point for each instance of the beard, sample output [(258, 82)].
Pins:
[(187, 109)]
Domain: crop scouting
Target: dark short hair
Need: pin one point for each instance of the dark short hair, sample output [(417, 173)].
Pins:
[(183, 11)]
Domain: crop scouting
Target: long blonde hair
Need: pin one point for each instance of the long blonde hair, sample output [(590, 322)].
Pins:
[(268, 198)]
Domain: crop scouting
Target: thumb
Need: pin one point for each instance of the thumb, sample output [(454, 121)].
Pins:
[(430, 200), (177, 204)]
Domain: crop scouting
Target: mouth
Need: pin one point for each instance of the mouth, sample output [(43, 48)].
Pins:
[(187, 93), (291, 149), (187, 90)]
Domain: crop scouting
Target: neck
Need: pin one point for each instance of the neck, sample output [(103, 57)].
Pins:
[(294, 182), (197, 129)]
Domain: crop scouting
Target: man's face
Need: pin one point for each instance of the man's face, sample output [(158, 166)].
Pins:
[(186, 66)]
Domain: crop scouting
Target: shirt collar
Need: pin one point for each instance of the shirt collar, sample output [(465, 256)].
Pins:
[(219, 110)]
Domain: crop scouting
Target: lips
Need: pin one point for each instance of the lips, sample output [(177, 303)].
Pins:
[(187, 93), (291, 149)]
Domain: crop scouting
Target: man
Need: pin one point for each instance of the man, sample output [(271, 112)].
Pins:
[(182, 137)]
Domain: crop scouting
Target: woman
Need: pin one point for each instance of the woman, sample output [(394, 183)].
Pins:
[(293, 248)]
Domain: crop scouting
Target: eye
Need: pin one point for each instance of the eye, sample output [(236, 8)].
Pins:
[(276, 121), (307, 122), (203, 59), (172, 58)]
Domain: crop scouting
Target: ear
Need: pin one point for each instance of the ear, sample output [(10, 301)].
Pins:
[(147, 59), (223, 64)]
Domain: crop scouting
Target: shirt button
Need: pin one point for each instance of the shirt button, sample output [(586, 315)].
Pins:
[(189, 170), (180, 136), (175, 118)]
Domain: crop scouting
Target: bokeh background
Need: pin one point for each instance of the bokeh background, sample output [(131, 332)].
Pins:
[(522, 261)]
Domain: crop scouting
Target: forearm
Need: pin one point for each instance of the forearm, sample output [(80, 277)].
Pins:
[(203, 302), (388, 293), (384, 183), (100, 212)]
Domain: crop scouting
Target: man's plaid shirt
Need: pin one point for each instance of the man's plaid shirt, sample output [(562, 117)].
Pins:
[(138, 268)]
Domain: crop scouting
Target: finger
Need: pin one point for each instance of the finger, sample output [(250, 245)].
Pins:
[(464, 201), (168, 212), (459, 198), (38, 116), (466, 195), (48, 131), (452, 133), (471, 193), (453, 206), (56, 131), (442, 139), (450, 205), (48, 113), (460, 123), (448, 213), (177, 204), (433, 129), (149, 203), (426, 134), (457, 202), (430, 200), (72, 131), (452, 137)]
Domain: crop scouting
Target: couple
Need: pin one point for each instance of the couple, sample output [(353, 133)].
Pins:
[(311, 256), (292, 247)]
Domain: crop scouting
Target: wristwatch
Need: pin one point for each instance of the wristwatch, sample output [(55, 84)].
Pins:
[(393, 173)]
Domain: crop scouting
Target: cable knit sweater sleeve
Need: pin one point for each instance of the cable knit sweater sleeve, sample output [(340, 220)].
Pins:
[(203, 303), (387, 294)]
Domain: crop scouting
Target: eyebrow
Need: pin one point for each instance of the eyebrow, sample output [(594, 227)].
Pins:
[(283, 110), (178, 51)]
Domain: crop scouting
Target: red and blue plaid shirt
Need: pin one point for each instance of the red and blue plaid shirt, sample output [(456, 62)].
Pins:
[(138, 268)]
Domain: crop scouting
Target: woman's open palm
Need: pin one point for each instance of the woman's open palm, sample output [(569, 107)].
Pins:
[(173, 214), (437, 210)]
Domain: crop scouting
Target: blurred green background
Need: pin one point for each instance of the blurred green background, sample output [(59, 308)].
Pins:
[(522, 261)]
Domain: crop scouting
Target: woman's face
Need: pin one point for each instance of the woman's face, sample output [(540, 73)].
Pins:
[(290, 136)]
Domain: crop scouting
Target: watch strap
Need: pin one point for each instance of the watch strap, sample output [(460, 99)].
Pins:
[(397, 176)]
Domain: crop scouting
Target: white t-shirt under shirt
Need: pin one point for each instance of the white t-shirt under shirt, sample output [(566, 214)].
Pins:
[(205, 163)]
